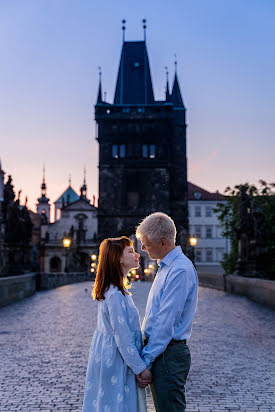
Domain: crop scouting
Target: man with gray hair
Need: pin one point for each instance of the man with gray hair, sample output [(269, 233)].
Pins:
[(170, 310)]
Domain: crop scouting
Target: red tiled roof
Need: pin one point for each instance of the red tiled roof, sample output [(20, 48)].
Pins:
[(197, 193)]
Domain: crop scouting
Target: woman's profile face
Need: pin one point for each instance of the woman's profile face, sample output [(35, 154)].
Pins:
[(129, 259)]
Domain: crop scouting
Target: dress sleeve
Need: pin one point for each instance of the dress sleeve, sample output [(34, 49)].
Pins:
[(123, 334)]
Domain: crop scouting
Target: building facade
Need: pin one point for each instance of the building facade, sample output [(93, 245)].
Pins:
[(76, 220), (205, 225), (142, 149)]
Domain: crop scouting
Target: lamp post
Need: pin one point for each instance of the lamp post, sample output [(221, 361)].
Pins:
[(66, 243), (193, 242)]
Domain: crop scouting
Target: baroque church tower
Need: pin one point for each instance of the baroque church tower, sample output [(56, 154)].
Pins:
[(142, 149), (43, 207)]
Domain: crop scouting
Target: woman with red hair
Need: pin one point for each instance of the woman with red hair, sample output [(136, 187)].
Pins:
[(114, 357)]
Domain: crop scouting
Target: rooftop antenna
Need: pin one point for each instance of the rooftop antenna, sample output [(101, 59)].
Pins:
[(123, 29), (144, 28)]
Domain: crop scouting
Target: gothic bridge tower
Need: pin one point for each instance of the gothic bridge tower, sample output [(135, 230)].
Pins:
[(142, 149)]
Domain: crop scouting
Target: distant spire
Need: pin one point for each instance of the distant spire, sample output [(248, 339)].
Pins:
[(99, 95), (84, 175), (167, 93), (70, 179), (83, 189), (123, 29), (144, 28), (43, 185)]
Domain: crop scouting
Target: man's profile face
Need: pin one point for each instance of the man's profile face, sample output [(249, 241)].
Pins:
[(153, 248)]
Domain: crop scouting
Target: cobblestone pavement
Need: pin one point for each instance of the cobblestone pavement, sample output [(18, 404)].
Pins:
[(44, 343)]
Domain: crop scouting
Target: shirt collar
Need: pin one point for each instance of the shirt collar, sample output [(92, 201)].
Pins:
[(168, 259)]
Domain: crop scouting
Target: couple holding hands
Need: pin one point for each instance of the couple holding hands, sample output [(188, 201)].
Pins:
[(122, 362)]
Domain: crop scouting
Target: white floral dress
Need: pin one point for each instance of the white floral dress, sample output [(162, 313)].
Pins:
[(114, 357)]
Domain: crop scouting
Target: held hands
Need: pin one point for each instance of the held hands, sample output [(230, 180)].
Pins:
[(144, 378)]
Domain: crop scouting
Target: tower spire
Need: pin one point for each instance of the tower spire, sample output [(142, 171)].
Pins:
[(123, 29), (43, 185), (70, 179), (83, 189), (176, 97), (176, 64), (144, 28), (99, 95), (167, 93)]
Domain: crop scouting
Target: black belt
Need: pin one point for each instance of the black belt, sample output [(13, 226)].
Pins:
[(172, 341)]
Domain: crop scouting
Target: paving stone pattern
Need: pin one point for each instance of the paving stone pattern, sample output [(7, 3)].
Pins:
[(45, 339)]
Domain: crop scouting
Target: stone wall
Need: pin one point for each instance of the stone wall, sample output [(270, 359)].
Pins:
[(259, 290), (53, 280), (211, 280), (15, 288)]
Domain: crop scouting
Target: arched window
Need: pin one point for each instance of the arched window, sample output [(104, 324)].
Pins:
[(55, 264)]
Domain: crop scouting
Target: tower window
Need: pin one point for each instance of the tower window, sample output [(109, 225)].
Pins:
[(122, 150), (144, 150), (118, 151), (152, 151), (115, 151), (149, 151)]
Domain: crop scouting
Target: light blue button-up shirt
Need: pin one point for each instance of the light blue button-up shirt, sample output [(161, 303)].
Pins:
[(171, 304)]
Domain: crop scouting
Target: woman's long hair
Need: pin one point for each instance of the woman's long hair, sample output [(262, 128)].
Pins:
[(109, 269)]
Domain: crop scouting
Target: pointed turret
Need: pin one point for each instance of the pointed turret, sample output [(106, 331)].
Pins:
[(176, 98), (167, 92), (176, 93), (99, 94)]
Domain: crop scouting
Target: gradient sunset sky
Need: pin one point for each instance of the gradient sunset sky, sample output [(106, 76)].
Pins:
[(50, 52)]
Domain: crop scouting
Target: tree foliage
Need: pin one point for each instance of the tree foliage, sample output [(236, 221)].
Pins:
[(228, 215)]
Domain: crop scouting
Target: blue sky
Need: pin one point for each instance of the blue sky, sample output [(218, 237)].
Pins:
[(50, 52)]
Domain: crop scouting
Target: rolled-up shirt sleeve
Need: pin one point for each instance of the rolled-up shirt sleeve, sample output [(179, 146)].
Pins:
[(172, 301), (123, 334)]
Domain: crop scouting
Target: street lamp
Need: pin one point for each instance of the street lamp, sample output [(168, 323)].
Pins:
[(193, 241), (93, 264), (66, 243)]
